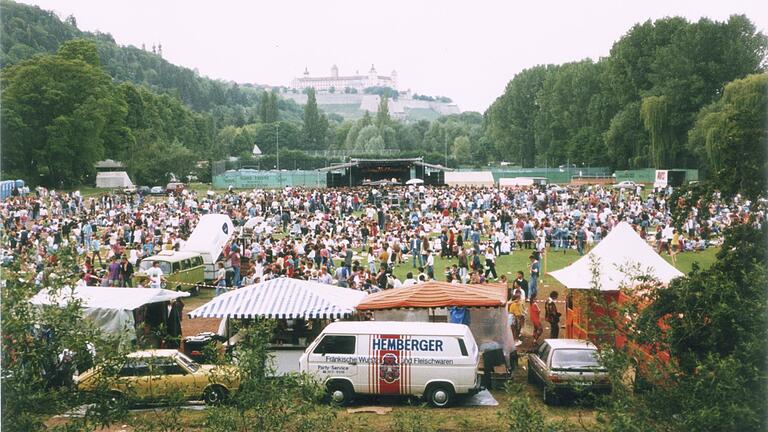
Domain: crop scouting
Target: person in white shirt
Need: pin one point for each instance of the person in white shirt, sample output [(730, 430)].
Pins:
[(409, 280), (156, 277)]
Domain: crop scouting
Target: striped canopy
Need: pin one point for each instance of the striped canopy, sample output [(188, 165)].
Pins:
[(283, 298), (434, 294)]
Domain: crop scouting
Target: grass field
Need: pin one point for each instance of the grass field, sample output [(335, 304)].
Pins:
[(518, 260)]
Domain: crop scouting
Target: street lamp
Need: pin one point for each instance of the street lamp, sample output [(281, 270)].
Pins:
[(277, 145)]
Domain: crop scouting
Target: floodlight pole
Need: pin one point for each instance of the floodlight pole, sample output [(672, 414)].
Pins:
[(277, 145)]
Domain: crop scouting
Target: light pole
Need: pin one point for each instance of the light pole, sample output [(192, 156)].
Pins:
[(277, 145), (446, 149)]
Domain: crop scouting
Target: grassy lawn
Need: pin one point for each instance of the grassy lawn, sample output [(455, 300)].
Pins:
[(555, 260)]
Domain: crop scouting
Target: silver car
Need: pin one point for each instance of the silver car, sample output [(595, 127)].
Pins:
[(564, 366)]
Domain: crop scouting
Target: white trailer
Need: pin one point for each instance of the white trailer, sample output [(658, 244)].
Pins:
[(209, 238)]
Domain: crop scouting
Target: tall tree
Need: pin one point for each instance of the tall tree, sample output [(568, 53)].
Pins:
[(315, 123), (653, 111), (382, 115), (56, 111), (731, 136)]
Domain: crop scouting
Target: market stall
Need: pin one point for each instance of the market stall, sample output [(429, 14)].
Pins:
[(483, 304), (301, 308), (119, 311), (621, 260)]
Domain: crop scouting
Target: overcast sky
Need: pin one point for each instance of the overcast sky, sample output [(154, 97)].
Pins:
[(467, 50)]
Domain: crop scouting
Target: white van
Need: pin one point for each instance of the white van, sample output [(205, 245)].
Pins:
[(436, 361)]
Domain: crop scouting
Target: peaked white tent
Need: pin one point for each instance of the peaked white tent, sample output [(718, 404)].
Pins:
[(110, 308), (283, 298), (619, 257)]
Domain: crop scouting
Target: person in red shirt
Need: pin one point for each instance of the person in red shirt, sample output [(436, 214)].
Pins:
[(535, 315)]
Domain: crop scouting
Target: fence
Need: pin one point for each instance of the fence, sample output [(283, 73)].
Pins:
[(648, 175), (246, 178)]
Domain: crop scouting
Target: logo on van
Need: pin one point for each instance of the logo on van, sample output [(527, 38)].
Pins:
[(225, 228), (389, 371)]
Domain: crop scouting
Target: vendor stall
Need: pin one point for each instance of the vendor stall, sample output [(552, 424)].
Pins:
[(622, 260), (118, 310), (301, 308), (481, 307)]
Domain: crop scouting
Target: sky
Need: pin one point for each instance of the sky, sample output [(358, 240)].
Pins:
[(465, 50)]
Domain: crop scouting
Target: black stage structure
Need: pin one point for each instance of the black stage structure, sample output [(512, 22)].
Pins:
[(361, 172)]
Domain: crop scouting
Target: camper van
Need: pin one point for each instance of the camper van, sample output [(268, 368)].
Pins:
[(436, 361), (184, 271)]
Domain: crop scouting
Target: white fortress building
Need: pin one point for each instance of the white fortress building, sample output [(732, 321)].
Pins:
[(358, 81)]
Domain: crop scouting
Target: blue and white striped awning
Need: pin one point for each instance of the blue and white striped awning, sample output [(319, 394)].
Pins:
[(283, 298)]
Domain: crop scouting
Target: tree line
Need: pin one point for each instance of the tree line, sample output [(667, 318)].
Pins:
[(632, 109), (671, 94)]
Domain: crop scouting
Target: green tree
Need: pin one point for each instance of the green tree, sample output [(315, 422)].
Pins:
[(695, 356), (382, 115), (315, 124), (462, 150), (730, 137), (60, 113), (653, 111)]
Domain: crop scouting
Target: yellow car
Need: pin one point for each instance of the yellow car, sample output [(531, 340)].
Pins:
[(156, 375)]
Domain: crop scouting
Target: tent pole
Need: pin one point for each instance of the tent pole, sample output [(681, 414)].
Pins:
[(227, 327)]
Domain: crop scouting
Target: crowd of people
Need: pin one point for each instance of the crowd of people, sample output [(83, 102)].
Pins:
[(351, 237)]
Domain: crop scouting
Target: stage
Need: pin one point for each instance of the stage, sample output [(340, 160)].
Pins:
[(361, 172)]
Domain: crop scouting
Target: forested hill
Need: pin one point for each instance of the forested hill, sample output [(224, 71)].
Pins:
[(29, 30)]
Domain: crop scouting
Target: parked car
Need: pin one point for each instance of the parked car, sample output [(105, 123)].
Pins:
[(143, 190), (157, 375), (175, 187), (129, 190), (628, 184), (183, 271), (565, 366), (436, 361), (157, 190)]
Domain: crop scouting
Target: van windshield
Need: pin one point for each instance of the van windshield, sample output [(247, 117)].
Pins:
[(164, 266)]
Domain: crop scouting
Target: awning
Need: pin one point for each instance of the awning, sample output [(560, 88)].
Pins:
[(105, 297), (434, 294), (283, 298)]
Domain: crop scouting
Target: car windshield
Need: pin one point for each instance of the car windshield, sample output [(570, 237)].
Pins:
[(164, 266), (575, 359), (186, 361)]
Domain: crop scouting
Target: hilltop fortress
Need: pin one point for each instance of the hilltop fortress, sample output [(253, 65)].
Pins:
[(340, 83), (345, 95)]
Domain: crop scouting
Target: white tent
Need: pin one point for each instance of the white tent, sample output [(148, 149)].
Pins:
[(469, 178), (110, 308), (113, 179), (283, 298), (209, 237), (621, 257)]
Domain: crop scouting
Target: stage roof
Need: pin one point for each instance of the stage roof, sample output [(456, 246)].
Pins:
[(385, 162)]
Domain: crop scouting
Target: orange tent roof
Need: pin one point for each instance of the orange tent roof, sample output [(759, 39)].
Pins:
[(433, 294)]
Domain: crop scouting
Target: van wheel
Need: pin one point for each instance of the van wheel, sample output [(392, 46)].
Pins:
[(340, 393), (440, 395), (195, 290), (214, 395)]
